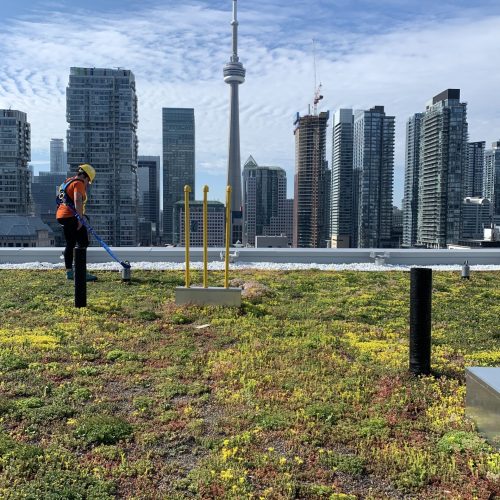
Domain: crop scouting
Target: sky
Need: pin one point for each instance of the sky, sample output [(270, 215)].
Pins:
[(393, 53)]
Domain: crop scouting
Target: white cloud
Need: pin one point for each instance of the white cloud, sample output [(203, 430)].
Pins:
[(177, 54)]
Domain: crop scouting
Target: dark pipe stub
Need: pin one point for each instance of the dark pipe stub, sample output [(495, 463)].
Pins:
[(80, 276), (420, 320)]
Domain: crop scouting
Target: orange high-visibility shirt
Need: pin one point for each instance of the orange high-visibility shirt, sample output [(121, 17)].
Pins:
[(78, 186)]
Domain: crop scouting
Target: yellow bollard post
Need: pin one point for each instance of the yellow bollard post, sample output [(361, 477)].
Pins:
[(205, 237), (228, 235), (187, 224)]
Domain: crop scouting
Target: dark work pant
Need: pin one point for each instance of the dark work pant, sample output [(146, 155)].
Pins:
[(73, 238)]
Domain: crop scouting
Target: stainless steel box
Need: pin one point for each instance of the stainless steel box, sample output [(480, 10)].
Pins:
[(483, 401)]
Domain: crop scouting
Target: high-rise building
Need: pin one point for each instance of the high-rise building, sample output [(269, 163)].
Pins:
[(373, 164), (412, 171), (215, 218), (102, 116), (476, 217), (234, 75), (397, 228), (58, 157), (287, 223), (341, 223), (312, 187), (491, 179), (443, 162), (148, 185), (264, 201), (15, 153), (44, 188), (178, 162), (473, 177)]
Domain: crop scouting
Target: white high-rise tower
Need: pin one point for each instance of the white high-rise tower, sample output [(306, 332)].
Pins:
[(234, 75)]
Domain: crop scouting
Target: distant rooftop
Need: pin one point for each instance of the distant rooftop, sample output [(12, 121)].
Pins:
[(20, 225)]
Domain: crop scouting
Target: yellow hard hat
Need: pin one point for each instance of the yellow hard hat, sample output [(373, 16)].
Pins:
[(89, 170)]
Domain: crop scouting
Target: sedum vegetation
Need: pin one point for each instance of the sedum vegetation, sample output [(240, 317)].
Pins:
[(303, 392)]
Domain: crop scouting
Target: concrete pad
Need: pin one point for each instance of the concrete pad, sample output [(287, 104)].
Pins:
[(483, 401), (211, 296)]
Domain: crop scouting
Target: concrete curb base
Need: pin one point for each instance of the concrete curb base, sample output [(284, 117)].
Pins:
[(211, 296)]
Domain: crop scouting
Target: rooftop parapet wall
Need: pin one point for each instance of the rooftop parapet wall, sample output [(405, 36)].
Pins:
[(411, 257)]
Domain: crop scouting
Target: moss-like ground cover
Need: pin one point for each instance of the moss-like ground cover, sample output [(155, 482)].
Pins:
[(301, 393)]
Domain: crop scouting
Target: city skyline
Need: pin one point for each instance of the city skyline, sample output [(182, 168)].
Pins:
[(383, 61)]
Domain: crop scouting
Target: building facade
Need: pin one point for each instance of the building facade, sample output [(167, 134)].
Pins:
[(476, 218), (491, 179), (15, 153), (373, 164), (341, 214), (44, 188), (264, 202), (102, 116), (58, 157), (178, 162), (443, 162), (148, 185), (216, 224), (311, 184), (473, 178), (412, 172)]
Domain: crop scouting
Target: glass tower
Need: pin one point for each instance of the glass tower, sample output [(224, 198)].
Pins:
[(473, 179), (178, 162), (148, 180), (373, 163), (412, 169), (264, 201), (57, 157)]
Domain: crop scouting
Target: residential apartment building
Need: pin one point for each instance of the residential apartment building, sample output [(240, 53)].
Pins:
[(341, 210), (15, 153), (473, 177), (312, 182), (102, 116), (178, 162), (443, 162), (373, 165), (491, 179), (412, 172)]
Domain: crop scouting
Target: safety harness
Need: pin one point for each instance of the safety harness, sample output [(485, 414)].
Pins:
[(63, 199), (62, 194)]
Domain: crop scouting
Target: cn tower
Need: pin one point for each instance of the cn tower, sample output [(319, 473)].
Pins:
[(234, 75)]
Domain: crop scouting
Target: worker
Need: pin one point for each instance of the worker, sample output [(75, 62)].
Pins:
[(71, 200)]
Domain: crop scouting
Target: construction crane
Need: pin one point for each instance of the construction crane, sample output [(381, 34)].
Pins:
[(317, 89)]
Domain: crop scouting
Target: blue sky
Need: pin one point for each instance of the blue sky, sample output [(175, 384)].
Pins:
[(387, 52)]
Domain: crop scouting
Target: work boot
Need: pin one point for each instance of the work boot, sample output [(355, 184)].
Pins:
[(90, 277), (69, 274)]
